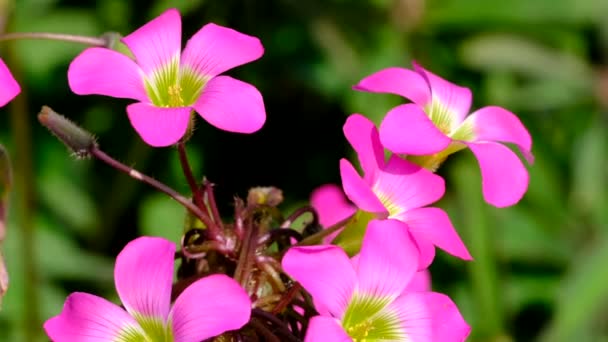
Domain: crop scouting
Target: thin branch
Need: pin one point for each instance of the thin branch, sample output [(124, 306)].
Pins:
[(95, 41)]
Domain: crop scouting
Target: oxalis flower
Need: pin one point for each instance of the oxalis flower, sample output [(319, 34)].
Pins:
[(143, 275), (9, 88), (398, 190), (436, 124), (366, 298), (169, 84)]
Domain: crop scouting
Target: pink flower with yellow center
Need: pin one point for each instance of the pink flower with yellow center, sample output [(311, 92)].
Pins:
[(170, 83), (369, 297), (398, 190), (437, 124), (144, 275)]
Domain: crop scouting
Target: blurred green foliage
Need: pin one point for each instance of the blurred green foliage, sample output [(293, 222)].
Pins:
[(540, 267)]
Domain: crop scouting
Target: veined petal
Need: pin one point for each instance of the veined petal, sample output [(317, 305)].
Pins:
[(159, 126), (143, 276), (157, 43), (421, 282), (331, 204), (358, 191), (448, 324), (388, 259), (504, 178), (215, 49), (325, 272), (209, 307), (363, 136), (88, 318), (403, 185), (435, 226), (414, 317), (322, 329), (399, 81), (100, 71), (450, 102), (9, 88), (406, 129), (231, 105), (498, 124)]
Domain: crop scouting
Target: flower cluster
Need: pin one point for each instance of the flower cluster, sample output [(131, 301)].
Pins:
[(358, 271)]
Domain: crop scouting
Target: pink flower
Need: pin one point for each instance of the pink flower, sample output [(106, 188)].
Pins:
[(398, 190), (365, 298), (437, 123), (169, 83), (332, 206), (9, 88), (144, 275)]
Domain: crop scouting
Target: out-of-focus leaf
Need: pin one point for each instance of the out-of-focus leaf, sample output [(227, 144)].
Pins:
[(6, 183), (505, 52), (39, 57), (480, 12), (184, 6), (68, 200), (161, 216), (589, 165), (583, 294), (521, 290)]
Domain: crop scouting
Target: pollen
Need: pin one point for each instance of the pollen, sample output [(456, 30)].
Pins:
[(359, 332), (175, 96)]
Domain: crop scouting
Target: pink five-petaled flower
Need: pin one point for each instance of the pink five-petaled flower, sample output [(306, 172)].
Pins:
[(169, 83), (398, 190), (437, 123), (366, 298), (143, 275), (9, 88)]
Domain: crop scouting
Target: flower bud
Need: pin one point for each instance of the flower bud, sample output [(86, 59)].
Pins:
[(79, 141)]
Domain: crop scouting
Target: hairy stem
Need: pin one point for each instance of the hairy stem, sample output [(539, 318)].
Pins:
[(95, 41)]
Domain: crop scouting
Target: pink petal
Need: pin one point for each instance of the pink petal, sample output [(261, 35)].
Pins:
[(100, 71), (331, 204), (158, 42), (232, 105), (498, 124), (406, 185), (388, 259), (358, 191), (9, 88), (322, 329), (88, 318), (159, 126), (448, 323), (504, 178), (325, 272), (399, 81), (426, 250), (406, 129), (143, 276), (421, 282), (435, 226), (209, 307), (456, 99), (363, 136), (415, 316), (215, 49)]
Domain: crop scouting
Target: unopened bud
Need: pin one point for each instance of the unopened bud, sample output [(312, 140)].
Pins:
[(6, 182), (79, 141), (269, 196)]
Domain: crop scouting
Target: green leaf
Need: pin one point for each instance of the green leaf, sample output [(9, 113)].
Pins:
[(161, 216)]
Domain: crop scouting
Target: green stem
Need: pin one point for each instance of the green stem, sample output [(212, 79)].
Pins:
[(483, 269), (95, 41), (24, 184)]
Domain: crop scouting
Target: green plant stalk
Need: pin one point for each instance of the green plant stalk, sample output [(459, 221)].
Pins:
[(24, 201), (478, 238)]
